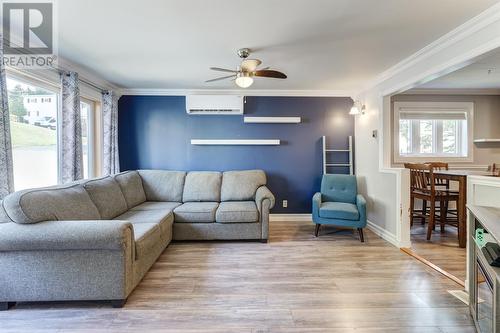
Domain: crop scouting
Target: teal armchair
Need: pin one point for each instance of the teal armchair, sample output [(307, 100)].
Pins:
[(339, 204)]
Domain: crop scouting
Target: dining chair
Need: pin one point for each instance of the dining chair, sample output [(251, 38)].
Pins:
[(444, 185), (438, 166), (423, 187)]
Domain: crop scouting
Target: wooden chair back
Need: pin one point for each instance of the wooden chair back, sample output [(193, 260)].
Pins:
[(438, 166), (421, 178)]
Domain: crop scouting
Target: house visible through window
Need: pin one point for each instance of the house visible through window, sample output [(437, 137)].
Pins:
[(34, 135), (432, 130)]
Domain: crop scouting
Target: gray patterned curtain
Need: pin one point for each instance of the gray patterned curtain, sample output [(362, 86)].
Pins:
[(6, 168), (111, 163), (71, 129)]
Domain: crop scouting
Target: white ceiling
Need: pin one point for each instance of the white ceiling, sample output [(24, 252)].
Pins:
[(483, 74), (319, 44)]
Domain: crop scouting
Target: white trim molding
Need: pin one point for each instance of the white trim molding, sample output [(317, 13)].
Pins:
[(451, 91), (248, 92), (291, 217), (382, 233), (485, 19)]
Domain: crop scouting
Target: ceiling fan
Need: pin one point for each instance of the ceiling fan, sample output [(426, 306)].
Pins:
[(246, 71)]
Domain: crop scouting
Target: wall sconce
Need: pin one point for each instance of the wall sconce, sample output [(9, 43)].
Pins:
[(357, 108)]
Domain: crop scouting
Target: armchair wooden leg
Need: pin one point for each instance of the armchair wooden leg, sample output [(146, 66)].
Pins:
[(361, 236), (316, 230)]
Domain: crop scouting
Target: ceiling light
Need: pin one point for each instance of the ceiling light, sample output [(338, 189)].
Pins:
[(243, 80), (354, 110), (357, 108)]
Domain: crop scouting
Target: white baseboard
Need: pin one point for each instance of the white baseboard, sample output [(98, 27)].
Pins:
[(290, 217), (382, 233)]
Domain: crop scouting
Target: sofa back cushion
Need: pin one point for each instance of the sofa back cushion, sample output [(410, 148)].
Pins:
[(202, 186), (66, 202), (339, 188), (163, 185), (107, 196), (241, 185), (4, 218), (131, 185)]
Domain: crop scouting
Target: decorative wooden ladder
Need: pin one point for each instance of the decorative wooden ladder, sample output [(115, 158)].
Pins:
[(327, 165)]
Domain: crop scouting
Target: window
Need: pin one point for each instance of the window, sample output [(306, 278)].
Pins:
[(424, 131), (34, 136)]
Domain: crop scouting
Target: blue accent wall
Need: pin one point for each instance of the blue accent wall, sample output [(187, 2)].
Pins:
[(155, 133)]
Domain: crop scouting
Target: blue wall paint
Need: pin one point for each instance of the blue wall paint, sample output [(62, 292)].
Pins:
[(155, 133)]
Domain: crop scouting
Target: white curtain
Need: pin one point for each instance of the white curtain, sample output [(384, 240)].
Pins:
[(111, 163), (6, 168), (71, 129)]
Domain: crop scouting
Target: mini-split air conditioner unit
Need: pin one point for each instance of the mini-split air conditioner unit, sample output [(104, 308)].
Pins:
[(214, 104)]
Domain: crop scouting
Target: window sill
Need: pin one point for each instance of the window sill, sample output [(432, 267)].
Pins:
[(433, 158)]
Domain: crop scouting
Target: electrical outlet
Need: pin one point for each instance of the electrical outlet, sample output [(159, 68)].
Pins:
[(285, 203)]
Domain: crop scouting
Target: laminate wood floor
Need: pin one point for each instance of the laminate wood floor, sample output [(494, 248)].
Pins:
[(442, 250), (295, 283)]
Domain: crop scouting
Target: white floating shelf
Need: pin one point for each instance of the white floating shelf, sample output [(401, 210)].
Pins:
[(486, 140), (272, 120), (235, 142)]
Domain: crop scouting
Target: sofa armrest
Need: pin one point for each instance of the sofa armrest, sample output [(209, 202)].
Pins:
[(316, 203), (66, 235), (361, 205), (262, 194)]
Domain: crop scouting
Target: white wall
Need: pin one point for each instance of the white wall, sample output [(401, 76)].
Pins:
[(381, 184)]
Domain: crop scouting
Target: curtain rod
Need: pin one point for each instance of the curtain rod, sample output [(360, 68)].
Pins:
[(91, 84)]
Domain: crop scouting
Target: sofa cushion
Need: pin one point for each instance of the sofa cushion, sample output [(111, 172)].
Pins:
[(65, 202), (131, 185), (4, 218), (107, 196), (339, 210), (162, 217), (202, 186), (163, 185), (237, 211), (147, 236), (196, 212), (241, 185), (154, 205)]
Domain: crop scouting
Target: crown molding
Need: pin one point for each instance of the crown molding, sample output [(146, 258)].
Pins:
[(87, 74), (449, 91), (249, 92), (475, 24)]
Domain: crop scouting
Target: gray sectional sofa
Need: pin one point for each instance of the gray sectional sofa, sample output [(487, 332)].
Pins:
[(96, 239)]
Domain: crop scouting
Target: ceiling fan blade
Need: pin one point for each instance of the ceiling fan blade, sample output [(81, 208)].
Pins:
[(250, 65), (269, 73), (222, 78), (223, 70)]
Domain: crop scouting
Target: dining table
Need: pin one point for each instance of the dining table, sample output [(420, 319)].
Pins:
[(460, 176)]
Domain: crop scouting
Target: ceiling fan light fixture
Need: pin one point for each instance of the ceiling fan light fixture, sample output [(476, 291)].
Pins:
[(243, 80)]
